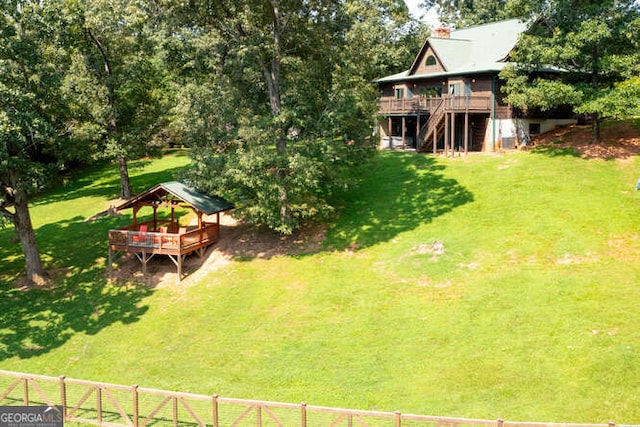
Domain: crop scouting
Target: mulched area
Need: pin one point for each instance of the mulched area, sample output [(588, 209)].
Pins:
[(617, 141)]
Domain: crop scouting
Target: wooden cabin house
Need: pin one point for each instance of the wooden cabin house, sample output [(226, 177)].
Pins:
[(158, 236), (450, 98)]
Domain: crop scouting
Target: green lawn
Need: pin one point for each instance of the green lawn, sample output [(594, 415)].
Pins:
[(531, 313)]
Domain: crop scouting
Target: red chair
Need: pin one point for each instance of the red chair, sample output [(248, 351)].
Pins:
[(163, 239), (141, 237)]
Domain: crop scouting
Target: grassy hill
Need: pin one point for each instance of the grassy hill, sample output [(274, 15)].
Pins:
[(482, 286)]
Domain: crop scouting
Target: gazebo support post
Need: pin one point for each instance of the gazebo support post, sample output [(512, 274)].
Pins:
[(200, 226), (135, 216), (178, 260), (155, 217), (142, 257), (144, 265)]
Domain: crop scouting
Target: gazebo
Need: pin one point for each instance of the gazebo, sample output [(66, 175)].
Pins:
[(166, 236)]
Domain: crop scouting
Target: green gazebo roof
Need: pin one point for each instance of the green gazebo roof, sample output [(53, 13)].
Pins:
[(177, 190)]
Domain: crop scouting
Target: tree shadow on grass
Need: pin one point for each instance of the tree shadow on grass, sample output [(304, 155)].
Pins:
[(80, 299), (36, 321), (551, 150), (399, 192)]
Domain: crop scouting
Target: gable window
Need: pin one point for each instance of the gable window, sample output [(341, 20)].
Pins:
[(430, 61)]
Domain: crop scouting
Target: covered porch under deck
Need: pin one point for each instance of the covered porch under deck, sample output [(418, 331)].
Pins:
[(447, 124), (166, 236)]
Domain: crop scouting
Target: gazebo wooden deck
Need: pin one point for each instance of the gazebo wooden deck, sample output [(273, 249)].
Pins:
[(165, 236)]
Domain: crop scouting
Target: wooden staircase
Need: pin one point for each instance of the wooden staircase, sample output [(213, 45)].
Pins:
[(435, 123)]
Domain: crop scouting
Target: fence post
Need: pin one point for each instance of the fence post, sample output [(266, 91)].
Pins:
[(612, 424), (99, 403), (136, 403), (500, 422), (398, 418), (63, 397), (259, 415), (175, 411), (214, 410), (25, 394), (303, 414)]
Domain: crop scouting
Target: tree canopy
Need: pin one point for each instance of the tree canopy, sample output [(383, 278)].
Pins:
[(292, 96), (115, 81), (466, 13), (32, 118)]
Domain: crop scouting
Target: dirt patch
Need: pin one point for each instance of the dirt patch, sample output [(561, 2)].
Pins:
[(238, 240), (619, 141)]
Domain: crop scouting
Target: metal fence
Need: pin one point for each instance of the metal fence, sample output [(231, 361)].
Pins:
[(102, 404)]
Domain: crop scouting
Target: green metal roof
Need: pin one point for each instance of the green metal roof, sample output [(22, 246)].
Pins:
[(473, 50), (199, 201)]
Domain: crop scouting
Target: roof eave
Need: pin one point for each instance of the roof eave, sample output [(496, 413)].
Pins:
[(443, 74), (205, 206)]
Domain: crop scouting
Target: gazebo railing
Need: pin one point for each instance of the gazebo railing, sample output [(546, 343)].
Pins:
[(126, 239)]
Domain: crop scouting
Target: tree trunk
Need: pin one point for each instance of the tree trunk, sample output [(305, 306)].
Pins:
[(272, 76), (595, 127), (595, 82), (22, 222), (112, 124), (125, 185)]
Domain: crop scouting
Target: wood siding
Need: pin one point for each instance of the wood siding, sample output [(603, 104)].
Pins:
[(422, 68)]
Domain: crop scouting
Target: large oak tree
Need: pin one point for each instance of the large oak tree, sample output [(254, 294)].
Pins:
[(31, 119), (115, 83), (294, 103)]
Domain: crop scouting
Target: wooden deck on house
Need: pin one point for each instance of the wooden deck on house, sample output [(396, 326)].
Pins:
[(433, 117), (425, 105)]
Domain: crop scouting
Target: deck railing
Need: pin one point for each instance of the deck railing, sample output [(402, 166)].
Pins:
[(129, 240), (391, 105), (103, 404)]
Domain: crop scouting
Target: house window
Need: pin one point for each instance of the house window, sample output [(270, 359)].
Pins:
[(431, 61), (399, 93), (534, 128), (431, 91), (468, 90)]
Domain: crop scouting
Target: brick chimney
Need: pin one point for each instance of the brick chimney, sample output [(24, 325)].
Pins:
[(441, 33)]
